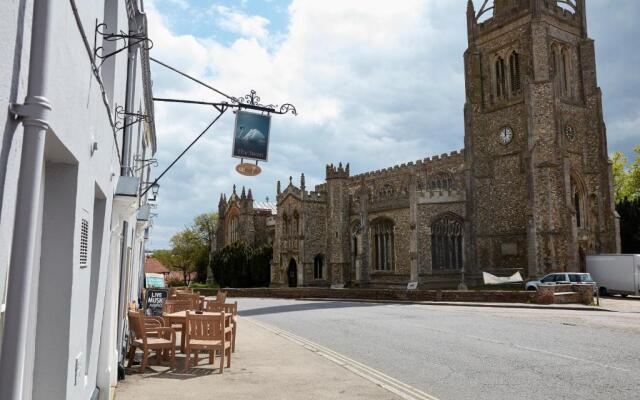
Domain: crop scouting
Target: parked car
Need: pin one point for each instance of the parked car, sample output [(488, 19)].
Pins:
[(561, 277)]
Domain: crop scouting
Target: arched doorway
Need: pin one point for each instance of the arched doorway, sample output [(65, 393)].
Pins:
[(292, 273)]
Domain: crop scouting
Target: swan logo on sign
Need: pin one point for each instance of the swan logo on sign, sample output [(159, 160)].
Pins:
[(251, 136)]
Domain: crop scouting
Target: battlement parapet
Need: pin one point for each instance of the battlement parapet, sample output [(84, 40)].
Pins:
[(337, 172), (315, 196), (454, 156), (567, 13)]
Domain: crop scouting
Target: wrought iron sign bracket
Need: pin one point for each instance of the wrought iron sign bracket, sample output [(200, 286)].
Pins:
[(134, 118), (146, 162), (128, 40), (250, 101)]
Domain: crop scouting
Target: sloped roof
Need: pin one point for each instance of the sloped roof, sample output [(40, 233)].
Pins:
[(154, 266), (263, 205)]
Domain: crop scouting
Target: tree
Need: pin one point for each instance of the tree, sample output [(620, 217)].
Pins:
[(205, 226), (165, 257), (629, 211), (187, 250), (627, 194), (240, 265), (626, 180)]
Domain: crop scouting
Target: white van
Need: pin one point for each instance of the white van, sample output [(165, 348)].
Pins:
[(616, 273)]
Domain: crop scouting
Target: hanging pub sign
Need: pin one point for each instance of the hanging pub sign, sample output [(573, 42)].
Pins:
[(251, 136), (248, 169), (154, 301)]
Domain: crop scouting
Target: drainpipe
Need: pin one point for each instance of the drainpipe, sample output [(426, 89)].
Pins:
[(128, 108), (24, 268)]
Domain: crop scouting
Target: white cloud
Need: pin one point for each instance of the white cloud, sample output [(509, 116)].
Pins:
[(253, 26)]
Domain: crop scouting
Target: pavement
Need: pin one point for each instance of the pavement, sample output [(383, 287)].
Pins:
[(266, 365), (630, 304)]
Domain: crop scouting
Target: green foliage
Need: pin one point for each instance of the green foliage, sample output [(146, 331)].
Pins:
[(627, 195), (205, 225), (192, 248), (626, 179), (629, 211), (174, 282), (198, 285), (187, 252), (165, 257), (239, 265)]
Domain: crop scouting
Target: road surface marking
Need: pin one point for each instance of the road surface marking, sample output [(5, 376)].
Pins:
[(393, 385), (568, 357)]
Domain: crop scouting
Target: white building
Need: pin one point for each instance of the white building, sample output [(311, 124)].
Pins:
[(72, 171)]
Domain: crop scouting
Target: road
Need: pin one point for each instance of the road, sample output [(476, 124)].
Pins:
[(456, 353)]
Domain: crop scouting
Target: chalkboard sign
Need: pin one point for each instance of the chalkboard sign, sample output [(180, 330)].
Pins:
[(155, 301)]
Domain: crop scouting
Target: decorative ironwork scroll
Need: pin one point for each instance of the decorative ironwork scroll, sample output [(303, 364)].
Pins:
[(253, 100), (127, 39), (134, 118)]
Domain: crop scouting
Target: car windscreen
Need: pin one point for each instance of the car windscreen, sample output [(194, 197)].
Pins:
[(585, 278)]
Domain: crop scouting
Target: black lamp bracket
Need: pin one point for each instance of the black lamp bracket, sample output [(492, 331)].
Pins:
[(128, 40)]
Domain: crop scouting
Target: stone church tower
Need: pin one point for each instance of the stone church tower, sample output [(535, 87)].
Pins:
[(538, 179)]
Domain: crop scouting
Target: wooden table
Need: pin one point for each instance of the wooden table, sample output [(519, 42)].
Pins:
[(180, 317)]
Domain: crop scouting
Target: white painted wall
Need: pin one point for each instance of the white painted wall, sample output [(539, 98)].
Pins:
[(63, 295)]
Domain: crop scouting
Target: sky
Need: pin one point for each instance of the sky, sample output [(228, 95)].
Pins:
[(375, 83)]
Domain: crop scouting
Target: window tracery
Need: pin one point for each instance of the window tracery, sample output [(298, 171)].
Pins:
[(232, 230), (386, 191), (447, 234), (514, 69), (442, 181), (383, 244)]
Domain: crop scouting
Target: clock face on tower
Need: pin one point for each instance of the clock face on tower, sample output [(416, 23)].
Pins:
[(505, 135)]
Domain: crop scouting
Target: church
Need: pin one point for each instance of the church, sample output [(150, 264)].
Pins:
[(531, 191)]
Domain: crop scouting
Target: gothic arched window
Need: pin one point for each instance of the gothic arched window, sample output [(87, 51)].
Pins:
[(562, 68), (356, 232), (232, 230), (447, 234), (564, 71), (514, 69), (500, 84), (386, 191), (578, 198), (317, 266), (383, 244), (285, 226), (296, 223), (442, 181)]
